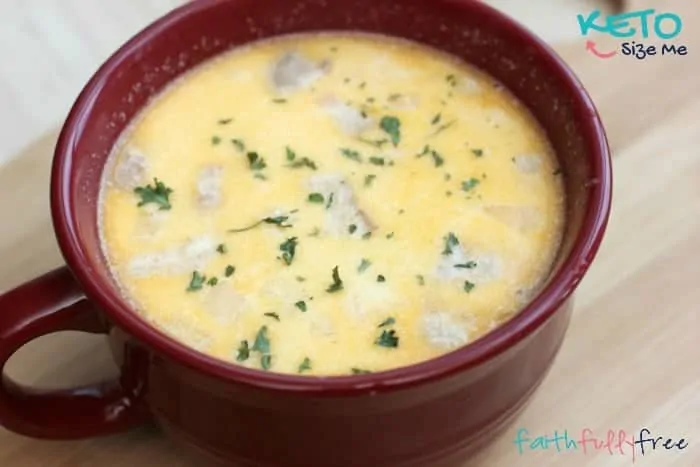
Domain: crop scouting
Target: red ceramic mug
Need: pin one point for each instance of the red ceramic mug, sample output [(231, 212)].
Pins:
[(426, 415)]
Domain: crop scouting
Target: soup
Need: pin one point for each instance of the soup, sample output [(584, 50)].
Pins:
[(331, 204)]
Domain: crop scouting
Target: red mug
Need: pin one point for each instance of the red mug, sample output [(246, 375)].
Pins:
[(431, 414)]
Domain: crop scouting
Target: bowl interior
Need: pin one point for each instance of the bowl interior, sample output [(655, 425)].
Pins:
[(200, 30)]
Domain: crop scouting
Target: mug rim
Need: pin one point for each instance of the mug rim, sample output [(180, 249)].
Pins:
[(511, 332)]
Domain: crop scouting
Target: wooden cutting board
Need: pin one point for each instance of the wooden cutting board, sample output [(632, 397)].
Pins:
[(631, 357)]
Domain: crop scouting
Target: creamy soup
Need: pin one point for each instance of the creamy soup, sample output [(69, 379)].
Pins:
[(331, 204)]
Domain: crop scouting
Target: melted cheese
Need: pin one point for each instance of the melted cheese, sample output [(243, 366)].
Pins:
[(386, 159)]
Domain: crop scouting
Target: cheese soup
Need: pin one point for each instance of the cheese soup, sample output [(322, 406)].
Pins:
[(331, 204)]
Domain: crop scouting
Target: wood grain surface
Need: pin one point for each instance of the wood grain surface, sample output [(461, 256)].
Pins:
[(632, 355)]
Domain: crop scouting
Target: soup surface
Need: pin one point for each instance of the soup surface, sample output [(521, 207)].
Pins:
[(331, 204)]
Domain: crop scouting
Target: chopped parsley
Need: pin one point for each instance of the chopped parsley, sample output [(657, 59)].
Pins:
[(388, 338), (215, 140), (212, 282), (274, 316), (352, 228), (301, 304), (369, 179), (315, 198), (420, 279), (305, 365), (364, 264), (438, 160), (229, 271), (279, 101), (225, 121), (337, 284), (443, 127), (360, 371), (279, 221), (255, 161), (266, 362), (240, 145), (262, 342), (367, 235), (478, 152), (451, 80), (288, 249), (387, 322), (391, 126), (470, 184), (351, 154), (381, 278), (467, 265), (377, 143), (377, 160), (390, 235), (330, 201), (451, 242), (468, 286), (197, 281), (295, 163), (222, 249), (157, 194), (436, 119), (243, 351)]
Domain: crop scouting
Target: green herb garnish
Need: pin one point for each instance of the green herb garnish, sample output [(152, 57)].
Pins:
[(225, 121), (352, 228), (295, 163), (467, 265), (391, 126), (369, 179), (288, 249), (388, 338), (196, 282), (262, 343), (364, 264), (274, 316), (381, 278), (451, 80), (157, 194), (443, 127), (468, 286), (279, 221), (468, 185), (305, 365), (351, 154), (212, 282), (315, 198), (243, 351), (478, 152), (330, 201), (451, 242), (420, 279), (437, 158), (215, 140), (337, 282), (279, 101), (240, 145), (221, 249), (436, 119), (229, 271), (301, 304), (377, 160), (387, 322), (255, 161), (266, 362), (360, 371)]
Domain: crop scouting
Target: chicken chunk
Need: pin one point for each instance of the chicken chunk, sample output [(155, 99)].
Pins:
[(209, 187), (293, 71), (343, 216), (130, 170), (190, 256)]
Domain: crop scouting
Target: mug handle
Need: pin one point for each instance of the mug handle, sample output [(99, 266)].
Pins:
[(51, 303)]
